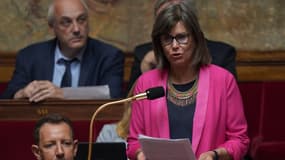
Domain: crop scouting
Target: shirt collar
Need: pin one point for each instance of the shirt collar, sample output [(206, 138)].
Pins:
[(59, 55)]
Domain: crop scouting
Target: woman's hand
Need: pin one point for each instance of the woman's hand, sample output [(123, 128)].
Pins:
[(140, 155), (207, 156), (210, 155)]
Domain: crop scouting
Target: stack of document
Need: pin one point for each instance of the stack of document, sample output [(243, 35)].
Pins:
[(166, 149)]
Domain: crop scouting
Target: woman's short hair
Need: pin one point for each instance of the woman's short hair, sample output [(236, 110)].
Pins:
[(161, 4), (166, 20)]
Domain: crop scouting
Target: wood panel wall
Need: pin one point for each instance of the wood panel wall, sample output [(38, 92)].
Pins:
[(251, 66)]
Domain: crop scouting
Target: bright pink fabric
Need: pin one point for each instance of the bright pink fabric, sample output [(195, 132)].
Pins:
[(219, 119)]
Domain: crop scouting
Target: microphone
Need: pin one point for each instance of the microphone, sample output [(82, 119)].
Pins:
[(150, 94)]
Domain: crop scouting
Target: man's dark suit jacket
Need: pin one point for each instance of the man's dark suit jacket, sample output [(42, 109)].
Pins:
[(222, 55), (101, 64)]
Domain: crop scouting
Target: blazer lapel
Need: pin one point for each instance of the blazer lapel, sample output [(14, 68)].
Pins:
[(201, 107), (86, 66), (161, 109), (49, 68)]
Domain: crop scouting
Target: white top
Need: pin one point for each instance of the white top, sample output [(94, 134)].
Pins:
[(109, 134)]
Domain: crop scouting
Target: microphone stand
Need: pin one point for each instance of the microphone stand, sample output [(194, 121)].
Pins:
[(136, 97)]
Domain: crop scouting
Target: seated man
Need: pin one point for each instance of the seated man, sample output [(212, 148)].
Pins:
[(71, 59), (222, 54), (53, 136)]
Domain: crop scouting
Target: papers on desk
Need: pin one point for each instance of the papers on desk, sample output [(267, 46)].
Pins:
[(166, 149), (88, 92)]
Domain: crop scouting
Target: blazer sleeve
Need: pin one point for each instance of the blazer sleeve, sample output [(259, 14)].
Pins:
[(136, 122), (114, 74), (237, 140), (21, 76)]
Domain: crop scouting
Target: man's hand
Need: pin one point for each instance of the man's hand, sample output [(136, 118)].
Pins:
[(39, 90)]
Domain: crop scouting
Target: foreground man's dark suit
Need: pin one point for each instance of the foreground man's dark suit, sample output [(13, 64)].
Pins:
[(101, 64)]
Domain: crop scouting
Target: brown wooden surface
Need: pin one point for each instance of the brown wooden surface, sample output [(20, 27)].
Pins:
[(251, 65), (74, 109), (261, 65)]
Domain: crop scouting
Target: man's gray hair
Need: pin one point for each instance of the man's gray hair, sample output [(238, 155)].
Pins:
[(50, 15)]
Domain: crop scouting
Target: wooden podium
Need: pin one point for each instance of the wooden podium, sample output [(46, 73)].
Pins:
[(74, 109)]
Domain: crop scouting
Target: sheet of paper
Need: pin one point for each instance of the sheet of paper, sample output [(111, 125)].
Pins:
[(88, 92), (166, 149)]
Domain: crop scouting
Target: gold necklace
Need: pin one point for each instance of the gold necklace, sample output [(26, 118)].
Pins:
[(182, 98)]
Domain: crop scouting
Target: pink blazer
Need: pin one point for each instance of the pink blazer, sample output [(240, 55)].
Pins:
[(219, 119)]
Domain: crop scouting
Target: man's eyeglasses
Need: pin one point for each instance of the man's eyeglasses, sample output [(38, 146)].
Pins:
[(180, 38)]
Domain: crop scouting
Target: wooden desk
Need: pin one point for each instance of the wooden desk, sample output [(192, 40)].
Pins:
[(74, 109)]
